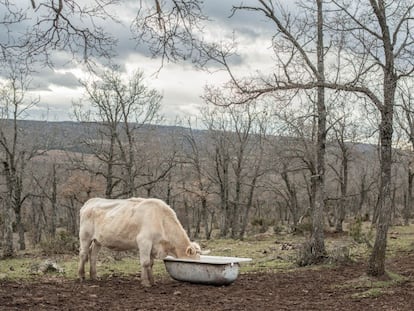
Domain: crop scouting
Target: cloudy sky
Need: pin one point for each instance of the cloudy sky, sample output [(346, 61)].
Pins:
[(180, 83)]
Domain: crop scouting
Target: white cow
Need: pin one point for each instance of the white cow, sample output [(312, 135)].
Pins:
[(149, 225)]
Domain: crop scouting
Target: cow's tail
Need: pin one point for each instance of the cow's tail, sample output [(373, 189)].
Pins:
[(91, 244)]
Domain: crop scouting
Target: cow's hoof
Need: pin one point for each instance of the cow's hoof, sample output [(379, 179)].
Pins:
[(146, 284)]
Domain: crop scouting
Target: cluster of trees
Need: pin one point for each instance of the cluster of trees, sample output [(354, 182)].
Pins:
[(247, 170), (333, 59)]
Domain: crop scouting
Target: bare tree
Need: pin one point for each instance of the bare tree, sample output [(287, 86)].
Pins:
[(77, 189), (372, 39), (256, 168), (236, 139), (405, 121), (47, 188), (170, 28), (119, 110), (219, 153), (14, 103), (344, 134), (295, 154), (299, 43), (195, 156), (157, 157), (378, 43), (290, 195), (65, 25)]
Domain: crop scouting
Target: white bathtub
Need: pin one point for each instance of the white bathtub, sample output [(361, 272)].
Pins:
[(212, 270)]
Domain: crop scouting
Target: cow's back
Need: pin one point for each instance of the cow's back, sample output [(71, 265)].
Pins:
[(116, 224), (111, 223)]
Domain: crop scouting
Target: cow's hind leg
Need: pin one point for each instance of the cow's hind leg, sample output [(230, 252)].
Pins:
[(93, 255), (145, 247), (150, 275)]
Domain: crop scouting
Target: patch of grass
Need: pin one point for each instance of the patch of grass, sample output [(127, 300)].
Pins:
[(269, 251), (16, 268), (267, 265), (370, 293), (23, 268), (400, 239), (109, 266), (370, 287), (265, 250), (127, 266), (70, 266)]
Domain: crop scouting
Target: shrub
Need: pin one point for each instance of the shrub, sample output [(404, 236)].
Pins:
[(357, 234), (306, 255), (355, 230), (278, 228), (339, 255), (303, 228), (62, 243), (261, 225)]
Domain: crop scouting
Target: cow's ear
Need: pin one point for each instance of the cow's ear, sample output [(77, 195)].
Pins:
[(190, 251)]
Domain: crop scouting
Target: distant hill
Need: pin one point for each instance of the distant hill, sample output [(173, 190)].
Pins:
[(67, 135)]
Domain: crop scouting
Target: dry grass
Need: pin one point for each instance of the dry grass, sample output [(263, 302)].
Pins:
[(269, 252)]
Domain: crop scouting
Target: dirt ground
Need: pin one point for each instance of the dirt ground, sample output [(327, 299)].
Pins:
[(307, 289)]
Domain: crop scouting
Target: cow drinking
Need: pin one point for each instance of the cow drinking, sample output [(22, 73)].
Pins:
[(148, 225)]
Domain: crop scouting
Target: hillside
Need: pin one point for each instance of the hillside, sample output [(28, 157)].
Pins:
[(68, 135)]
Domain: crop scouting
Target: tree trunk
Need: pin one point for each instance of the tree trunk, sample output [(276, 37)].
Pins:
[(362, 195), (204, 217), (408, 197), (196, 221), (212, 220), (341, 213), (247, 208), (110, 167), (53, 218), (20, 230), (73, 216), (39, 221), (236, 209), (393, 207), (340, 217), (222, 170), (317, 241), (293, 205), (187, 217), (376, 264), (8, 248)]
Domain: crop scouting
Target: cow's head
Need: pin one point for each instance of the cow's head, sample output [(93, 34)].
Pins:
[(194, 251)]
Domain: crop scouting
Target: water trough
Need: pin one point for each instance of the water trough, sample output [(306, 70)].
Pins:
[(211, 270)]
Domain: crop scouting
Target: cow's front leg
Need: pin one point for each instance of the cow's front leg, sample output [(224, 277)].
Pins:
[(145, 261)]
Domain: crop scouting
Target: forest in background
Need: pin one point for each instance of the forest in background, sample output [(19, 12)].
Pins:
[(222, 182)]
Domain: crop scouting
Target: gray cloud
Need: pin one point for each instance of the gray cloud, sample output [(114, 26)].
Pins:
[(43, 79), (251, 24), (249, 28)]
